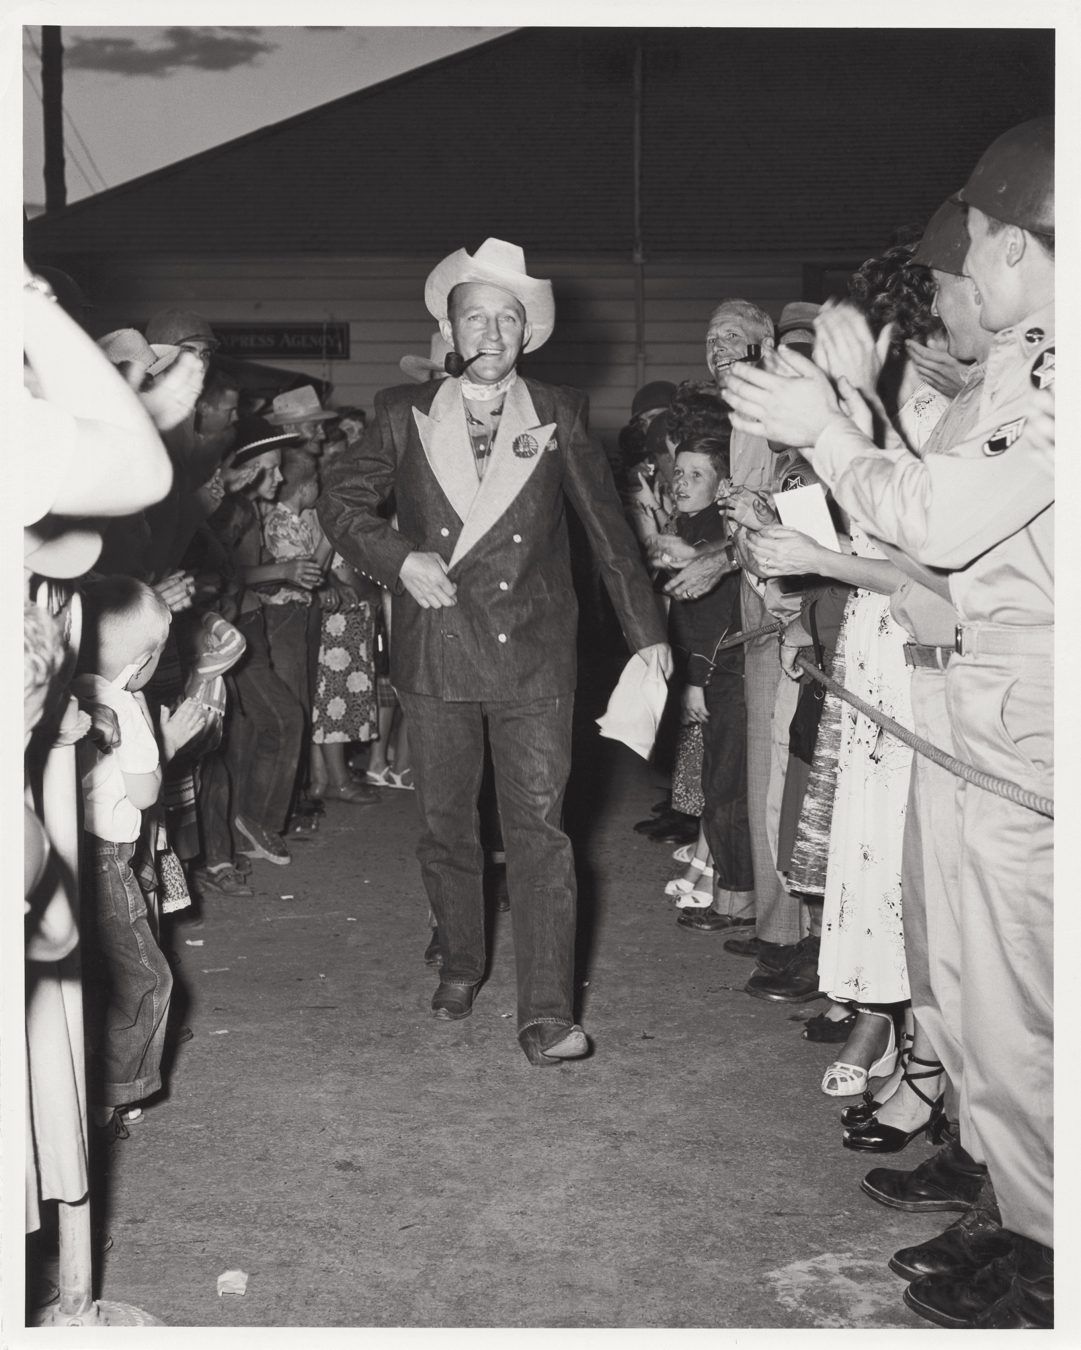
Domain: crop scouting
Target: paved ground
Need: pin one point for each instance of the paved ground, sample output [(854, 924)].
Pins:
[(368, 1166)]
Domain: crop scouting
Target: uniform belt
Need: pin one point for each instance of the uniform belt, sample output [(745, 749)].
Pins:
[(917, 654), (982, 639)]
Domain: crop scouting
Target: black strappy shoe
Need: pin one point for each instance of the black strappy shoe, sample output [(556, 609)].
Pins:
[(872, 1137)]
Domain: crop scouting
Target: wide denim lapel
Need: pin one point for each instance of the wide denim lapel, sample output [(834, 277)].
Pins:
[(447, 447), (518, 448)]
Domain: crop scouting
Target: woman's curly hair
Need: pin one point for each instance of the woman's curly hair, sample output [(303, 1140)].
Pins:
[(696, 410), (893, 289)]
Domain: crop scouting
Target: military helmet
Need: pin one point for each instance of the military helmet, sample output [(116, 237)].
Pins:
[(945, 239), (1015, 178)]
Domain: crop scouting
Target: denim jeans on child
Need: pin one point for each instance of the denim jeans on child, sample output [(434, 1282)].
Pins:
[(127, 980)]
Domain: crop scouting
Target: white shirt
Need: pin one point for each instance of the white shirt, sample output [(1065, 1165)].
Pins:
[(107, 810)]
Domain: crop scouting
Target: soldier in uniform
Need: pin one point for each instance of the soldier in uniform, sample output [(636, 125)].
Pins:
[(983, 510), (485, 617)]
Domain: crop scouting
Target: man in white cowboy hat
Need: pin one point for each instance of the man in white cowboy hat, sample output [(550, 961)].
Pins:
[(485, 616), (301, 411)]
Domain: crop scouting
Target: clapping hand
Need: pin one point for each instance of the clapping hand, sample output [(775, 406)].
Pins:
[(172, 396), (176, 590), (791, 411), (937, 367), (845, 346)]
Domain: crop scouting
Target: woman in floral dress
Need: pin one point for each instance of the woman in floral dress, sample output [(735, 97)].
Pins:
[(344, 708)]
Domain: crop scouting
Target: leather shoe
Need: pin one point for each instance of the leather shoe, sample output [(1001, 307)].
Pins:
[(777, 956), (548, 1043), (951, 1179), (664, 820), (974, 1240), (452, 1002), (673, 829), (760, 949), (1030, 1300), (796, 983), (433, 955), (956, 1301), (709, 921)]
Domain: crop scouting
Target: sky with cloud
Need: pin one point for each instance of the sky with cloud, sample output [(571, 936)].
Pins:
[(138, 98)]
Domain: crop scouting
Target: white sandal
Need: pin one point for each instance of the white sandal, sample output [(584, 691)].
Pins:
[(849, 1080), (681, 886), (685, 853), (397, 780)]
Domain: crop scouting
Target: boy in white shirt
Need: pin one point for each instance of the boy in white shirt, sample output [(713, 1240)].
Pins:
[(127, 979)]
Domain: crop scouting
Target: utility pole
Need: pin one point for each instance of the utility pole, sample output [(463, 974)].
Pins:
[(52, 101)]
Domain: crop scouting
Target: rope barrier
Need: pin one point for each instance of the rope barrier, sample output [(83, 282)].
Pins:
[(1001, 787)]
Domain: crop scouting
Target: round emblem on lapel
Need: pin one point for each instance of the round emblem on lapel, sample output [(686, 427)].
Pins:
[(1042, 373), (525, 446)]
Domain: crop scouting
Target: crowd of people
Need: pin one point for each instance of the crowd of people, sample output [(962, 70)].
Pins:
[(917, 415), (863, 490)]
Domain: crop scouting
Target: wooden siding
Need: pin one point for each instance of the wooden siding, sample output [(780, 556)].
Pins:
[(594, 346)]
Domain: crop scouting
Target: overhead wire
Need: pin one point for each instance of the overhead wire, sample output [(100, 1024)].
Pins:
[(69, 119), (67, 145)]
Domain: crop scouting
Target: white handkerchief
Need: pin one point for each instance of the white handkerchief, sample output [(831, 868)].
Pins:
[(634, 710)]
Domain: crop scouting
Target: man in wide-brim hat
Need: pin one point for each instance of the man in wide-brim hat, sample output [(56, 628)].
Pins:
[(485, 616)]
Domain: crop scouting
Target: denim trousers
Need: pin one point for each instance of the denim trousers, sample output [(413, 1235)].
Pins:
[(127, 980), (531, 755), (253, 772)]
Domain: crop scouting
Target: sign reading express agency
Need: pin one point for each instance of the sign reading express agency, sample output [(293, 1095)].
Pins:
[(302, 341)]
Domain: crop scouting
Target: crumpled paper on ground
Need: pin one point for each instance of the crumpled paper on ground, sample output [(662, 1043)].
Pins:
[(233, 1282), (634, 710)]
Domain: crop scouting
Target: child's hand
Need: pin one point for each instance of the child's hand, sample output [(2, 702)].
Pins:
[(181, 726), (303, 572), (74, 724), (104, 726)]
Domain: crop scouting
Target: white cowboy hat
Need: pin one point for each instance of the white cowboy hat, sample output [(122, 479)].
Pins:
[(424, 368), (297, 405), (498, 264)]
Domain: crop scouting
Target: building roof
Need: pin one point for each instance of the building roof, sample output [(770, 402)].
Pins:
[(752, 141)]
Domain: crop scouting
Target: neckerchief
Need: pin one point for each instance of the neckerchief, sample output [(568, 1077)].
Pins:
[(484, 393)]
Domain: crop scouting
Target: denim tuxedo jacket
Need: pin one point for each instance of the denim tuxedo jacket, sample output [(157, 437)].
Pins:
[(512, 633)]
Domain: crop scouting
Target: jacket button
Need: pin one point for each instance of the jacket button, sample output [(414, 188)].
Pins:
[(503, 586), (502, 637), (444, 532), (517, 538)]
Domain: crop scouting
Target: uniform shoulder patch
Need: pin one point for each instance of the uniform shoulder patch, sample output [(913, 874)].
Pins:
[(1003, 437), (795, 479), (1042, 373), (1034, 335)]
